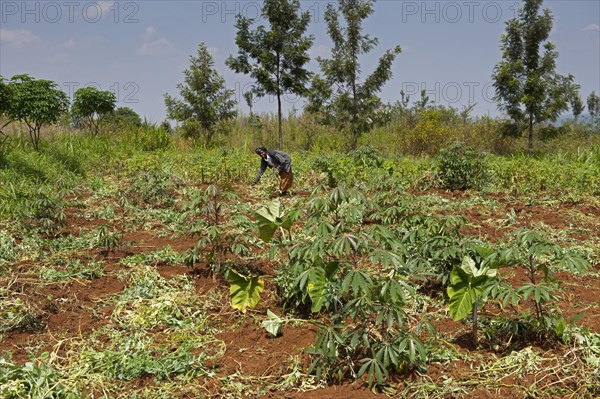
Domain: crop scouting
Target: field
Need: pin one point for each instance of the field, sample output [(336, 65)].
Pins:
[(129, 271)]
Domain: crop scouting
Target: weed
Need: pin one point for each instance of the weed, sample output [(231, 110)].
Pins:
[(34, 379)]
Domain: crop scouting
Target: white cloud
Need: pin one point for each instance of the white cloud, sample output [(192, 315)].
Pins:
[(156, 47), (83, 43), (149, 32), (18, 37), (592, 28)]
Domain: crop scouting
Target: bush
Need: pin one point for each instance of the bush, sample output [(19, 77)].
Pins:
[(460, 167), (367, 157)]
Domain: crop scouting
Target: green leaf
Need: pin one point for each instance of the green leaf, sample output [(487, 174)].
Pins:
[(376, 371), (273, 323), (467, 283), (270, 217), (244, 292), (317, 283), (468, 266), (461, 300)]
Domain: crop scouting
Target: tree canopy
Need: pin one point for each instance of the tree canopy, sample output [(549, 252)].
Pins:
[(528, 88), (275, 57), (205, 100), (341, 96), (35, 102), (91, 106)]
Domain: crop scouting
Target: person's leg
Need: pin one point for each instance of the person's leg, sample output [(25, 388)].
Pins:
[(286, 179)]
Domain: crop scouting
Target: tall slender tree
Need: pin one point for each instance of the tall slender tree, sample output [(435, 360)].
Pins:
[(275, 57), (205, 100), (577, 106), (593, 103), (340, 96), (528, 88)]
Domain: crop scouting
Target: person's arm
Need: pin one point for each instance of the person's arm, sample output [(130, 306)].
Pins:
[(263, 167)]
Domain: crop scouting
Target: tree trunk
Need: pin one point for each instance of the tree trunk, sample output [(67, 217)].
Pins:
[(279, 120), (279, 100), (354, 142), (530, 143)]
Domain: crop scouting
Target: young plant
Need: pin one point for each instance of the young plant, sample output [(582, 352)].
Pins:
[(470, 282), (537, 255), (245, 291), (215, 242), (46, 211), (110, 241)]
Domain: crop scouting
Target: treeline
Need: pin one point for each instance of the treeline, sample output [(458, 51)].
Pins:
[(343, 110)]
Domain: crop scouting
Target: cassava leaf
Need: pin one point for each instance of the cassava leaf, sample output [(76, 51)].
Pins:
[(273, 323), (244, 292)]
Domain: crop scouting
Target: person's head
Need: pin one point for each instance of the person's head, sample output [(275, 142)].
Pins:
[(261, 151)]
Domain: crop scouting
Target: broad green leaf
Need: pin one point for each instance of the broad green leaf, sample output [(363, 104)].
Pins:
[(461, 300), (467, 284), (273, 323), (468, 266), (270, 217), (317, 283), (244, 292)]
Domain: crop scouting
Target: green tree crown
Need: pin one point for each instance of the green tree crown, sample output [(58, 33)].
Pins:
[(339, 96), (205, 100), (275, 57)]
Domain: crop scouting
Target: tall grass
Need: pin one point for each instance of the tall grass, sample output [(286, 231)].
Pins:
[(566, 160)]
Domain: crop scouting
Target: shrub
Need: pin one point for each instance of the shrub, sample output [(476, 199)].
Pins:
[(368, 157), (461, 167)]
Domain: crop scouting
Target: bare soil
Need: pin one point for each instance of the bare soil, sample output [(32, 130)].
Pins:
[(75, 308)]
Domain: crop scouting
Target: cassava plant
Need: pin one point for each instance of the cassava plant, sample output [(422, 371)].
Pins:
[(470, 283), (539, 257)]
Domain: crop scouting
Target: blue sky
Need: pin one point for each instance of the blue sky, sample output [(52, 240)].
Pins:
[(139, 49)]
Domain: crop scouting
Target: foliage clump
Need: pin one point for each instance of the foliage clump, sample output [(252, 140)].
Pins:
[(461, 167)]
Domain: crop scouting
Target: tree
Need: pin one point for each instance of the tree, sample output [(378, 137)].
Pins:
[(577, 106), (4, 107), (91, 106), (123, 118), (35, 102), (275, 58), (205, 100), (340, 96), (527, 86), (593, 103)]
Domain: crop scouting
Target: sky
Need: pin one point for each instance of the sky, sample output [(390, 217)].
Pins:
[(139, 49)]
